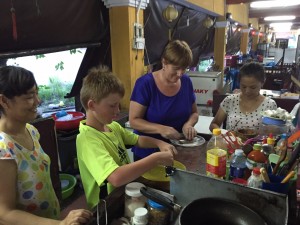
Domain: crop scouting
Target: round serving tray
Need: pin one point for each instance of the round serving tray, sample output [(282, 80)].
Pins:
[(197, 141)]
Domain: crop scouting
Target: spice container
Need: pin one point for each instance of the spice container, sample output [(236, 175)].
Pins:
[(140, 217), (133, 198), (157, 214)]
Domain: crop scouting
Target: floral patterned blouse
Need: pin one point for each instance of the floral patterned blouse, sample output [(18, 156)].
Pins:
[(35, 193)]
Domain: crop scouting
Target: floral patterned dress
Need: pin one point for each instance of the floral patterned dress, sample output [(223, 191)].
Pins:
[(35, 193)]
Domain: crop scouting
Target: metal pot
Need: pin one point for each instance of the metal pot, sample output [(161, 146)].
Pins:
[(209, 211)]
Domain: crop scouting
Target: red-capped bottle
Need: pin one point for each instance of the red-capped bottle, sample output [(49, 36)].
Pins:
[(256, 158)]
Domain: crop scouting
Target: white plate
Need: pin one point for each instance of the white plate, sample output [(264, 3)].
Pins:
[(197, 141), (223, 131)]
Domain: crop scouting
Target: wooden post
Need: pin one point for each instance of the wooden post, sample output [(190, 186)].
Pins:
[(255, 39), (245, 40), (220, 43), (127, 62)]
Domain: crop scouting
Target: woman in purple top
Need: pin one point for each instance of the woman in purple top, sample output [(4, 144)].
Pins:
[(163, 102)]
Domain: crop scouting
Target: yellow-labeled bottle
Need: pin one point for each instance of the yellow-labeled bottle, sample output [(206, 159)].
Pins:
[(216, 155)]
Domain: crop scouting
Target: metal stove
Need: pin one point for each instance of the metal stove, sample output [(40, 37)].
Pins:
[(188, 186)]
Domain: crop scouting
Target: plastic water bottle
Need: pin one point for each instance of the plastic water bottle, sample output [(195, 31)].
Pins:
[(237, 164), (255, 179)]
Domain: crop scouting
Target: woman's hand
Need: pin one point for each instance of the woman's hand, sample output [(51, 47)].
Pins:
[(170, 133), (77, 217), (189, 132)]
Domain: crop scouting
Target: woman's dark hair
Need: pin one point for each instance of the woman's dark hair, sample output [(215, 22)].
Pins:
[(252, 69), (15, 81)]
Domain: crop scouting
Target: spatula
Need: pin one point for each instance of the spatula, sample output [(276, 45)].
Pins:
[(280, 160)]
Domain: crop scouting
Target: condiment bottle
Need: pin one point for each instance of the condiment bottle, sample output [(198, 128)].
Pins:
[(256, 158), (140, 217), (133, 198), (271, 140), (216, 155), (158, 214), (255, 179), (237, 164)]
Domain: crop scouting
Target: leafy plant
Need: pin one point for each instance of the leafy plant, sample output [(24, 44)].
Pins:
[(59, 66), (54, 92)]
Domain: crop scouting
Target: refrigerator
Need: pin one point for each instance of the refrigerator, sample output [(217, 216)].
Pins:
[(205, 84)]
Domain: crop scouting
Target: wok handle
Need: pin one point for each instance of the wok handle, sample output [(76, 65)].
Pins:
[(159, 198)]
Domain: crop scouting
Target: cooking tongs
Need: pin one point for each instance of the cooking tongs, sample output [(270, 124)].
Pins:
[(232, 141), (160, 199)]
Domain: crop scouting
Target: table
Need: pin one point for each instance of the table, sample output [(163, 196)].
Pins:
[(202, 126), (194, 158)]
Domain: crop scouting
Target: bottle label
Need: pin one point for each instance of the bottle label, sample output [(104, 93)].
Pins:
[(236, 172), (216, 163)]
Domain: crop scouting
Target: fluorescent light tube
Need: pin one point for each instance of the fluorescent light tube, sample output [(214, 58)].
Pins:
[(275, 3), (272, 18)]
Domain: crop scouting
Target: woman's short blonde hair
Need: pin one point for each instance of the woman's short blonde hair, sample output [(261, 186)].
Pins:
[(98, 84), (178, 53)]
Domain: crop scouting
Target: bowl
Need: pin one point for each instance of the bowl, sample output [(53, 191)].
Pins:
[(247, 133), (159, 173), (68, 183), (273, 121), (70, 124)]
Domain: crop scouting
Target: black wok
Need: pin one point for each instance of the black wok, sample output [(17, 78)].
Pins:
[(217, 211), (209, 211)]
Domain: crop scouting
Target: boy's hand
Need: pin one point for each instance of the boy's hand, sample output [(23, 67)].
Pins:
[(166, 158), (166, 147)]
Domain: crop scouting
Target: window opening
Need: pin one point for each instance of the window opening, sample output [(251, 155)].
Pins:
[(55, 74)]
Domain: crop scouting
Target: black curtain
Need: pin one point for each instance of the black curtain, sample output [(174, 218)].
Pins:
[(233, 39), (31, 25), (188, 27)]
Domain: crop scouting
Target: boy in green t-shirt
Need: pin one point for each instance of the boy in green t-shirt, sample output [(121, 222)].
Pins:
[(101, 150)]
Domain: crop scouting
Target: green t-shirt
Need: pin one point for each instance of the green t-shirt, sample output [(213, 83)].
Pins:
[(99, 154)]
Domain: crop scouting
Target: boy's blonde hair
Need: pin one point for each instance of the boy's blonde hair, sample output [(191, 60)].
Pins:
[(98, 84)]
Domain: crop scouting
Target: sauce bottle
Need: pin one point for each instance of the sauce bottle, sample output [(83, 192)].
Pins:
[(256, 158)]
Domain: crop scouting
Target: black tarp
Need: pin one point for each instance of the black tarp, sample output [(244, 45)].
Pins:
[(42, 24), (233, 39), (188, 27)]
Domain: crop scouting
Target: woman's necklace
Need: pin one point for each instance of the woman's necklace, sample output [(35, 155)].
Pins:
[(248, 106)]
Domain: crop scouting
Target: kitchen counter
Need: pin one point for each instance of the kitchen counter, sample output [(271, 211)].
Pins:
[(193, 158)]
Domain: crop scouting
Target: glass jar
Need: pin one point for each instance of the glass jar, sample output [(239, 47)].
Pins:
[(133, 198), (158, 214)]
